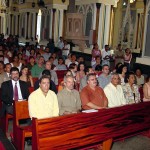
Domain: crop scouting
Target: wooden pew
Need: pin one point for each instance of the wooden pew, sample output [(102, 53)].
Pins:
[(78, 131)]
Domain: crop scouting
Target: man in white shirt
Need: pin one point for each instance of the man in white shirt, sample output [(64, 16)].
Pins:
[(106, 55), (7, 69), (114, 92), (60, 43)]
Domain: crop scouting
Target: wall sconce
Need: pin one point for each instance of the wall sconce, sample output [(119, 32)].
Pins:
[(33, 4), (14, 8)]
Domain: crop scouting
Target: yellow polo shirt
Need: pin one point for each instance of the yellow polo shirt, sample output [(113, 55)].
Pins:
[(41, 106)]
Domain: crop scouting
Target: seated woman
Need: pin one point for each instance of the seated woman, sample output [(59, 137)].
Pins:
[(73, 69), (16, 63), (95, 52), (127, 58), (139, 77), (122, 70), (130, 89), (21, 59), (61, 65), (146, 89), (24, 76), (80, 72)]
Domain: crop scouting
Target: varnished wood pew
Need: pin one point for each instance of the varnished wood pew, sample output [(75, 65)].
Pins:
[(77, 131)]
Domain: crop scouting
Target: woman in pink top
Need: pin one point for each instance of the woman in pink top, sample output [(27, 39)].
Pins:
[(95, 52), (127, 58), (146, 89)]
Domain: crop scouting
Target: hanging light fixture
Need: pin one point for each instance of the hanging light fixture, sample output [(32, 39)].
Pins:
[(132, 1)]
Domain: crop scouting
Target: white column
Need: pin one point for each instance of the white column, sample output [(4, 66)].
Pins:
[(34, 25), (94, 17), (61, 22), (4, 24), (56, 26), (101, 26), (51, 23), (107, 24)]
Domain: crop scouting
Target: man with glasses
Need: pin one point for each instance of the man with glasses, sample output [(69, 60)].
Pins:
[(13, 89), (92, 96), (114, 92)]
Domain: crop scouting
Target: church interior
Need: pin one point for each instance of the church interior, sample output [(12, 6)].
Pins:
[(82, 24)]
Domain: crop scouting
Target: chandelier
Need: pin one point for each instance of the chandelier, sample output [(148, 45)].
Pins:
[(125, 2)]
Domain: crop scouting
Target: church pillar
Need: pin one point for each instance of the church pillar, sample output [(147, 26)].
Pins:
[(94, 17), (30, 24), (27, 23), (34, 25), (16, 24), (107, 24), (51, 23), (13, 24), (10, 24), (4, 24), (0, 24), (61, 22), (101, 26), (56, 26)]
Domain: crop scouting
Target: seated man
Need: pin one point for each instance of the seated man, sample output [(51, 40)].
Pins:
[(92, 96), (38, 68), (69, 98), (105, 77), (43, 102), (13, 89), (48, 66), (114, 92), (83, 81), (52, 84)]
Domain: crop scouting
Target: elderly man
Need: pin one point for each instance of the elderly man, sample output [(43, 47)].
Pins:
[(92, 96), (13, 89), (43, 102), (114, 92), (69, 98)]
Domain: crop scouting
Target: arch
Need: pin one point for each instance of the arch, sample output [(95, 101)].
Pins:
[(88, 19), (81, 9)]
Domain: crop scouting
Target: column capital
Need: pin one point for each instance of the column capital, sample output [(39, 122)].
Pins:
[(98, 5), (54, 10)]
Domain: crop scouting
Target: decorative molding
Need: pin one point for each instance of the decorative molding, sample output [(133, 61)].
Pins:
[(106, 2)]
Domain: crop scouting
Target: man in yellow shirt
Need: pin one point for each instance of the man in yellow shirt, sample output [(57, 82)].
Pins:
[(43, 102)]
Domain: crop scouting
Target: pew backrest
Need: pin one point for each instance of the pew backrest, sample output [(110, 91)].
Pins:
[(76, 131)]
